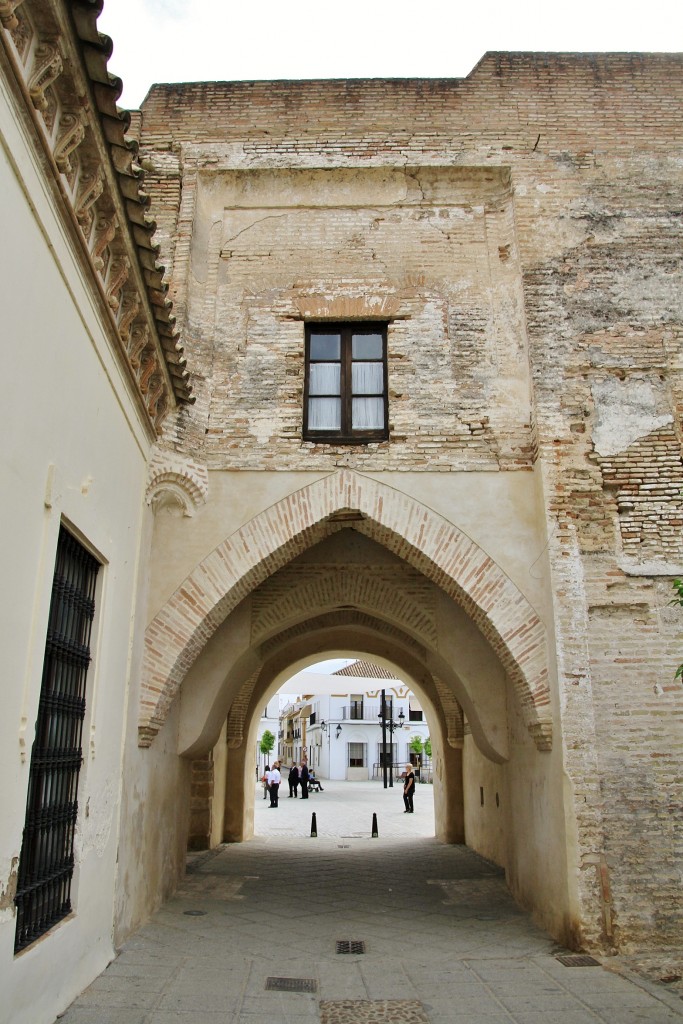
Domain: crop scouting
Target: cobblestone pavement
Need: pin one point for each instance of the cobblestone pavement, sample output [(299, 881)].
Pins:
[(349, 929)]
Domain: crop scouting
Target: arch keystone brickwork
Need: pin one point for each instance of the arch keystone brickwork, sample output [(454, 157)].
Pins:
[(404, 526)]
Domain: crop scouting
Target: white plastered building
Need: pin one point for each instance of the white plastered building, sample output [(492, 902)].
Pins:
[(90, 357), (336, 723)]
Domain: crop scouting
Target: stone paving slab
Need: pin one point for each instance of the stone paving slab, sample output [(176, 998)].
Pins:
[(444, 941)]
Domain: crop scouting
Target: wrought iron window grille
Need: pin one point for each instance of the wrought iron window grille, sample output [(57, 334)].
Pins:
[(46, 863)]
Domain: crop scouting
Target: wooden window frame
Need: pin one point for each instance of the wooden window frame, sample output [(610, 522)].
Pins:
[(346, 435)]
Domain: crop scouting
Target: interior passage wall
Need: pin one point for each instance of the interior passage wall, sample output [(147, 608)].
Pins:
[(155, 824)]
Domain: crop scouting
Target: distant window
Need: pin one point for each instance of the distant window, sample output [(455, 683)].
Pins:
[(392, 754), (46, 863), (356, 706), (415, 711), (345, 400), (357, 755)]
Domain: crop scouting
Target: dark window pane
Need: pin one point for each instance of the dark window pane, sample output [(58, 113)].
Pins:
[(367, 346), (325, 346)]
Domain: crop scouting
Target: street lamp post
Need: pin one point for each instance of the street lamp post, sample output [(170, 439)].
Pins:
[(390, 725)]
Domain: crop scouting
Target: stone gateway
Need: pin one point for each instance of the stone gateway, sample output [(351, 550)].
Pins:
[(380, 369)]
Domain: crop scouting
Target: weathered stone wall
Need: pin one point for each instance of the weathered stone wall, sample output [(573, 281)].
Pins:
[(521, 233), (201, 802), (425, 248)]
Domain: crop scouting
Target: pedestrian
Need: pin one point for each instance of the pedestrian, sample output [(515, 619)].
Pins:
[(303, 780), (408, 789), (293, 780), (264, 780), (274, 780)]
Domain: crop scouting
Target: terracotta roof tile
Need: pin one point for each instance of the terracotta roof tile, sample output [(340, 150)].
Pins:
[(364, 670)]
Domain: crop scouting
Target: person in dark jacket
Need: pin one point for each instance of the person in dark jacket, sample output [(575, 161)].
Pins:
[(408, 789), (293, 780), (303, 780), (264, 780)]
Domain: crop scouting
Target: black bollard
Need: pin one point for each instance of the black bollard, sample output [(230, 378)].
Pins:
[(375, 833), (314, 827)]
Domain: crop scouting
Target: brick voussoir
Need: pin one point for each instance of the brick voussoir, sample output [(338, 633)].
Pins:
[(270, 540)]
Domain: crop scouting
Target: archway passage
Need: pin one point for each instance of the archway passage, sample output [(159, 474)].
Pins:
[(377, 576), (329, 717), (349, 595), (211, 694), (411, 531)]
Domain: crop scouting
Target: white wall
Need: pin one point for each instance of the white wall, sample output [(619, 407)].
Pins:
[(331, 699), (73, 451)]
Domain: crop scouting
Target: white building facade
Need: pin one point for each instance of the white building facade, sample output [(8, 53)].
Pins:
[(336, 725)]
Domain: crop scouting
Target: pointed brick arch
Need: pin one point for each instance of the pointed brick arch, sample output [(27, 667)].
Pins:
[(341, 586), (404, 526)]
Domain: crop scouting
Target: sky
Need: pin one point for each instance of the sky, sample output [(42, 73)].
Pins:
[(331, 665), (215, 40)]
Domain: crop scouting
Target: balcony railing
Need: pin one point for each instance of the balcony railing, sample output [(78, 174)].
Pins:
[(360, 712)]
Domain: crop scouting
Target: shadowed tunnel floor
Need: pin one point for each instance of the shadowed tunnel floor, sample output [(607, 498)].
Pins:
[(434, 937)]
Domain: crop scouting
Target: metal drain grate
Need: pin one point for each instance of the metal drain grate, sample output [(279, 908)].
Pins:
[(578, 961), (350, 946), (292, 984)]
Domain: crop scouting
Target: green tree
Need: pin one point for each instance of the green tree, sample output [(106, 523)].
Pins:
[(428, 746), (416, 744), (678, 599), (267, 743)]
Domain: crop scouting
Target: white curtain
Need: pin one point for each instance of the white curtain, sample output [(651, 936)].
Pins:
[(324, 414), (325, 379), (366, 379), (368, 413)]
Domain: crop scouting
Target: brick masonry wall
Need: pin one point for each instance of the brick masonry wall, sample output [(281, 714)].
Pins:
[(424, 249), (530, 269), (201, 793)]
